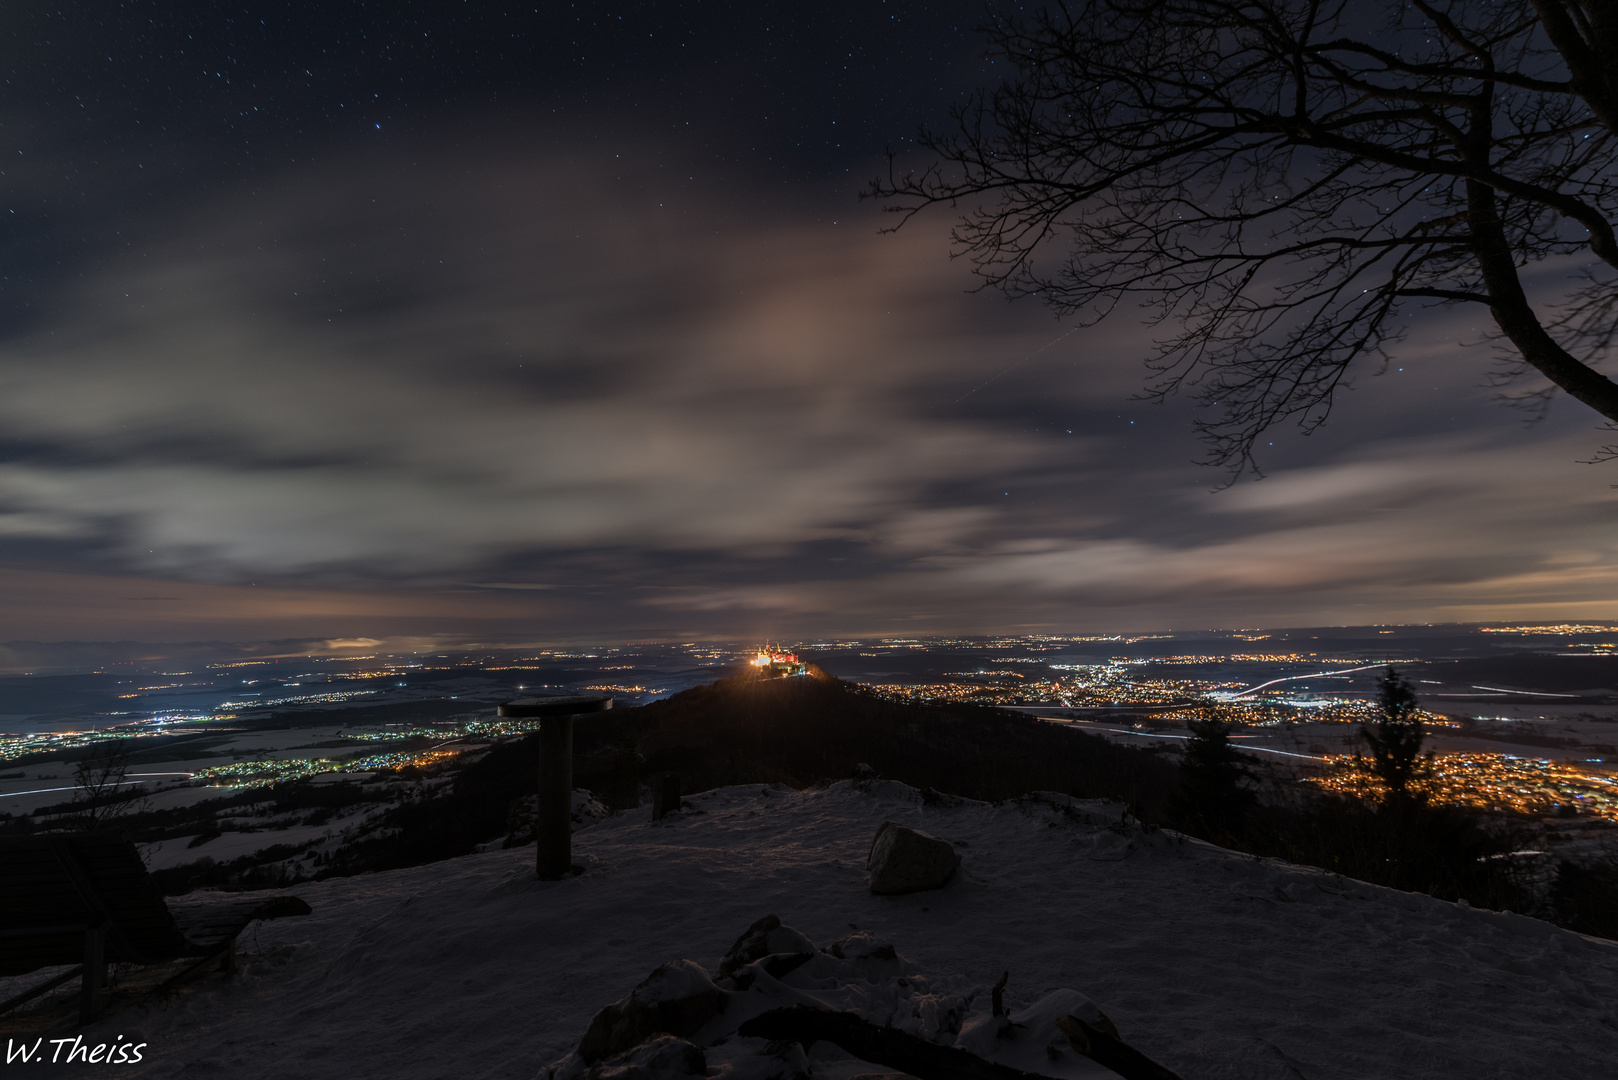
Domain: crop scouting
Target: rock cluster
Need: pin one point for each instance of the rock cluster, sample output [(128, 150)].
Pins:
[(682, 1024)]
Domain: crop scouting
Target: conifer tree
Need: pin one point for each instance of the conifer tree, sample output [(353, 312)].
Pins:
[(1396, 738), (1213, 798)]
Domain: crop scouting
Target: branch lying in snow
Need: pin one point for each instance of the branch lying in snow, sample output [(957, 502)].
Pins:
[(1106, 1048), (879, 1045), (929, 1061)]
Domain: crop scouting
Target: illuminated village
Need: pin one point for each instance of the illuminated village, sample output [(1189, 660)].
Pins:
[(1483, 760), (292, 772)]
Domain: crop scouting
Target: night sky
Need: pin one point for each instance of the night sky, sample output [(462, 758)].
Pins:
[(567, 322)]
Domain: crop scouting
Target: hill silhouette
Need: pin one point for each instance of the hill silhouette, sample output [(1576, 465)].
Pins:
[(795, 731), (799, 730)]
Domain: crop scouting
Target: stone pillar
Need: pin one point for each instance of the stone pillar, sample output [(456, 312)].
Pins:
[(553, 823), (553, 820)]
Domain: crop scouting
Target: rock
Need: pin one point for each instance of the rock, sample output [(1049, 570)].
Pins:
[(676, 999), (661, 1057), (934, 797), (862, 945), (764, 938), (1037, 1028), (863, 771), (778, 1061), (867, 957), (903, 860)]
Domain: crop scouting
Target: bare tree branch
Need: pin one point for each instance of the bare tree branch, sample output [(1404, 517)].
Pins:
[(1275, 179), (101, 789)]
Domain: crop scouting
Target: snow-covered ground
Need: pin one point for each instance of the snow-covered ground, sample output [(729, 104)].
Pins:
[(1215, 964)]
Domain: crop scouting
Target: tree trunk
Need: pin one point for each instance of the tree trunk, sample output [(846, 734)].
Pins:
[(1515, 315)]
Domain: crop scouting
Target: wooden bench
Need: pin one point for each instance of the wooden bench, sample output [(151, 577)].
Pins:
[(86, 899)]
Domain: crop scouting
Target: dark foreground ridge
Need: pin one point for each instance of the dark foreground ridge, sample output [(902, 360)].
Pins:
[(805, 730)]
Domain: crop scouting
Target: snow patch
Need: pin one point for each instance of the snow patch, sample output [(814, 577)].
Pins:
[(1216, 964)]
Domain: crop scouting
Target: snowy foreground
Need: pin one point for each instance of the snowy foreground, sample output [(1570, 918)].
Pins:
[(1213, 963)]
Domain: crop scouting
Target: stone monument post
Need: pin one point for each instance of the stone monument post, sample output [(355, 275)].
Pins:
[(553, 821)]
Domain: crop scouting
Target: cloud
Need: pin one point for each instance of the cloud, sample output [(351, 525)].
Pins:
[(571, 390), (487, 386)]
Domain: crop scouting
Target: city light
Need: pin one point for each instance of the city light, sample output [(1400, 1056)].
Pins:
[(1523, 785)]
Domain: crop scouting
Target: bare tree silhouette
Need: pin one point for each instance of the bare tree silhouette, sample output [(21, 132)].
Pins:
[(1279, 181), (102, 792)]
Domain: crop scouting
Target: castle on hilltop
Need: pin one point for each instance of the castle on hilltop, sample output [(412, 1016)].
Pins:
[(773, 664)]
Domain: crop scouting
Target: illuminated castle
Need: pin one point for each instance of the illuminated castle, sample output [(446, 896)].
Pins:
[(778, 665)]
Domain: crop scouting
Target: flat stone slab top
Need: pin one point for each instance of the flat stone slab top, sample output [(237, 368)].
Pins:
[(561, 705)]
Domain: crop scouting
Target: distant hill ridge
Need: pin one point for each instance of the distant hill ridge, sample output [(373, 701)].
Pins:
[(752, 728), (799, 730)]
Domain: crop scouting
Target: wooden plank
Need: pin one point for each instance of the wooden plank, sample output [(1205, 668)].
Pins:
[(43, 930), (43, 988)]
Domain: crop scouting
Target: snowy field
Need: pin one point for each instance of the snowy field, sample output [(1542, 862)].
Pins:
[(1213, 963)]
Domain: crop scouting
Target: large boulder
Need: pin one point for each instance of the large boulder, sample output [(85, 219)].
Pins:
[(676, 999), (903, 860)]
